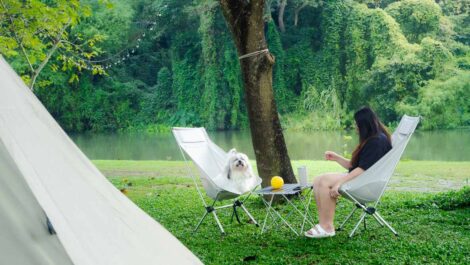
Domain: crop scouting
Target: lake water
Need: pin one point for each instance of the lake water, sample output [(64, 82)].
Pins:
[(447, 145)]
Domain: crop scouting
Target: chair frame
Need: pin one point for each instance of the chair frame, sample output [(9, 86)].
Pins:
[(371, 210), (210, 208), (366, 211)]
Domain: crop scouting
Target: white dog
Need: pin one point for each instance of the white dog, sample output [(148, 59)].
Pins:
[(239, 170)]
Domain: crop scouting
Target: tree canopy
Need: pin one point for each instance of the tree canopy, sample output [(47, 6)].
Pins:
[(399, 57), (34, 31)]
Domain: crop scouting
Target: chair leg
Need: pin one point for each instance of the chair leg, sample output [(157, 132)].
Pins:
[(368, 210), (386, 224), (240, 204), (218, 222), (211, 209), (378, 219), (249, 215), (347, 219), (200, 222), (357, 225), (236, 204)]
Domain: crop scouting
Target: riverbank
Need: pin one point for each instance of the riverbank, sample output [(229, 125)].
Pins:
[(423, 176), (442, 145)]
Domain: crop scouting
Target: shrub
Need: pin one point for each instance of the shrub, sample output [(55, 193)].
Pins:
[(450, 200), (417, 18)]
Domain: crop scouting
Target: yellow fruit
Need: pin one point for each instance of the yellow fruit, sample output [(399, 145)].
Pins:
[(277, 182)]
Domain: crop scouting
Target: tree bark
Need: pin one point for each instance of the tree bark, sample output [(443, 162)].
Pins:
[(280, 16), (245, 20)]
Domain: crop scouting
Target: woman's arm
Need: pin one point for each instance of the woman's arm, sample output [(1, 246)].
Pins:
[(346, 163), (334, 191)]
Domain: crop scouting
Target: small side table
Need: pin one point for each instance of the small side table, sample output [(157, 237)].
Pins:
[(285, 192)]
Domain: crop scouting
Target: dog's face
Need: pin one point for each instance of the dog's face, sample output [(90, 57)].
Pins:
[(238, 166), (238, 161)]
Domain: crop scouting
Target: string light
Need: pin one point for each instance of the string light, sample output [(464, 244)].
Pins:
[(111, 61)]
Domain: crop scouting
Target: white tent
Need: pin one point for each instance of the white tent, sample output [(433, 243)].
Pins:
[(45, 178)]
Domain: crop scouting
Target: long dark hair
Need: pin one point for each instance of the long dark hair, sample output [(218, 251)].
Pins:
[(369, 126)]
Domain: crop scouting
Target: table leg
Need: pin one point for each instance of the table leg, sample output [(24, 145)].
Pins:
[(307, 213), (268, 207)]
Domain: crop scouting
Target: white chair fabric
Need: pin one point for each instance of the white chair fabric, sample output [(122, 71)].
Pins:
[(370, 185), (210, 159)]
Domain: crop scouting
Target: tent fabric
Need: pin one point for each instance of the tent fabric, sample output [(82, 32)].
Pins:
[(370, 185), (22, 221), (211, 161), (95, 223)]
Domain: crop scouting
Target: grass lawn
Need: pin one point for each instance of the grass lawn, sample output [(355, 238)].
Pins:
[(409, 176), (434, 227)]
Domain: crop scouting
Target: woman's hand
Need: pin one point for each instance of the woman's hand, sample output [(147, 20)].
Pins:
[(334, 191), (330, 155)]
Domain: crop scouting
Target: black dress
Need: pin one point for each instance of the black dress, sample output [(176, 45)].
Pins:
[(373, 150)]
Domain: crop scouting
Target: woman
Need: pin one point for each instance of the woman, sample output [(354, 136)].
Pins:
[(374, 142)]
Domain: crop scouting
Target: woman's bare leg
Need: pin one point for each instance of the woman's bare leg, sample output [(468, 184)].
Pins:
[(326, 205)]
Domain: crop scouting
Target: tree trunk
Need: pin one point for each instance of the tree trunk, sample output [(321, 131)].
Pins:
[(296, 13), (296, 17), (280, 17), (245, 20), (267, 11)]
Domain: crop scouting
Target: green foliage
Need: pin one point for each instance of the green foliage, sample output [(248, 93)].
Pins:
[(443, 102), (449, 201), (396, 56), (232, 77), (33, 31), (454, 7), (462, 28), (393, 82), (284, 97), (210, 73), (163, 92), (327, 107), (417, 18), (435, 54)]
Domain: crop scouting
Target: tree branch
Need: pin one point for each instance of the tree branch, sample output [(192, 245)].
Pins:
[(49, 54), (20, 43)]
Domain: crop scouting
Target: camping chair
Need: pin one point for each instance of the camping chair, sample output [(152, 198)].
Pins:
[(211, 160), (370, 185)]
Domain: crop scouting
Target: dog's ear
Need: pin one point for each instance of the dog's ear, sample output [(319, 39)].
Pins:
[(233, 150), (227, 168), (229, 172), (245, 157)]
